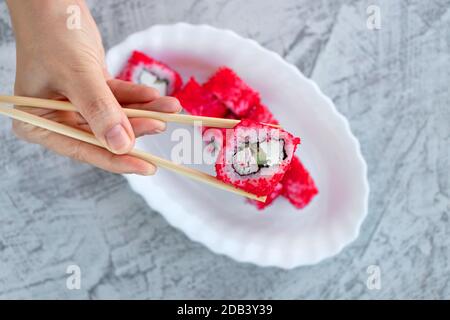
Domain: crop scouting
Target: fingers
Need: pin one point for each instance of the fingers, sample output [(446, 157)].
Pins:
[(163, 104), (100, 157), (93, 98), (82, 151), (127, 92), (137, 96), (143, 126)]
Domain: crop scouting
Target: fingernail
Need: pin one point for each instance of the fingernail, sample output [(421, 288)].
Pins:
[(179, 108), (160, 127), (149, 172), (117, 139)]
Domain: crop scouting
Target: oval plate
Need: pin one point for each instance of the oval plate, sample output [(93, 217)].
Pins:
[(279, 236)]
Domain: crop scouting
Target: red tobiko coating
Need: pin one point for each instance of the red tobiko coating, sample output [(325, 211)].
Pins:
[(232, 91), (200, 102), (298, 186), (261, 113), (139, 59), (270, 198)]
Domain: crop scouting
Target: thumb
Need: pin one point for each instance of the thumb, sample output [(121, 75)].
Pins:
[(94, 100)]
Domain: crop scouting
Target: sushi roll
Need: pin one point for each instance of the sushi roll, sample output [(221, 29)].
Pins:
[(225, 95), (145, 70), (200, 102), (255, 157), (298, 186), (237, 96)]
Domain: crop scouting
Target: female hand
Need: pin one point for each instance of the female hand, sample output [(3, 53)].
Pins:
[(57, 62)]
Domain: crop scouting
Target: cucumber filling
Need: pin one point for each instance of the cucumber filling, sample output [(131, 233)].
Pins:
[(251, 157), (271, 153)]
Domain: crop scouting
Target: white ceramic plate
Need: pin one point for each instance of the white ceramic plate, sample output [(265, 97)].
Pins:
[(281, 235)]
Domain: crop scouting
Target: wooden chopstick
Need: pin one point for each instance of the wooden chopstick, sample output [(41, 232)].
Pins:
[(89, 138), (131, 113)]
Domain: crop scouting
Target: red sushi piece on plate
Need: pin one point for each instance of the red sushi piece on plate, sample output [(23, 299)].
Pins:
[(277, 191), (200, 102), (298, 186), (143, 69), (261, 113), (255, 157), (226, 85)]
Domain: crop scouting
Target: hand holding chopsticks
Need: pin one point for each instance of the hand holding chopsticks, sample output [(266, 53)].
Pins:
[(89, 138), (131, 113)]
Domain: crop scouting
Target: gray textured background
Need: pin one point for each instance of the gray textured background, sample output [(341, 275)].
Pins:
[(392, 84)]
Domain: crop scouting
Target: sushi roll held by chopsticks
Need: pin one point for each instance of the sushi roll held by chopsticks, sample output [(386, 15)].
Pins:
[(255, 157)]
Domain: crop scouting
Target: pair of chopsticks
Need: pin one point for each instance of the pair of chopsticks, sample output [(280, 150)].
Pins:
[(6, 109), (131, 113)]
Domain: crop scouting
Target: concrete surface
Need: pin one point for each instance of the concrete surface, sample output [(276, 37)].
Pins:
[(391, 83)]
